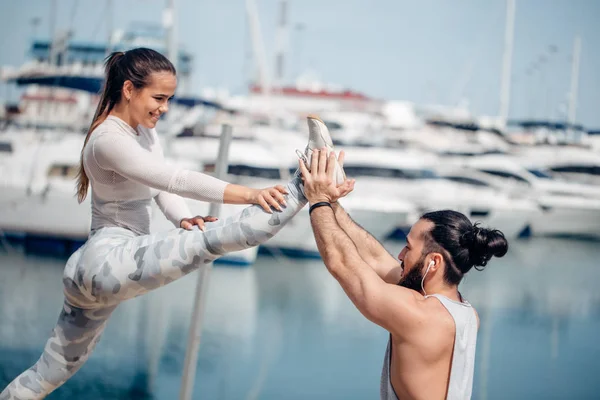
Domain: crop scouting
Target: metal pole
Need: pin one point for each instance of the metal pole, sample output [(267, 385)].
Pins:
[(169, 24), (191, 354), (109, 26), (281, 43), (53, 12), (258, 48)]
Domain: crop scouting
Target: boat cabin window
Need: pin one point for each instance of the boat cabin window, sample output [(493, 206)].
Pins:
[(579, 169), (504, 174), (6, 147), (540, 174), (395, 173), (333, 126), (479, 213), (257, 172), (63, 170), (468, 181)]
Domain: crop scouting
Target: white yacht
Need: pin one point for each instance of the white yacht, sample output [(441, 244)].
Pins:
[(410, 175), (567, 162), (40, 197), (567, 208)]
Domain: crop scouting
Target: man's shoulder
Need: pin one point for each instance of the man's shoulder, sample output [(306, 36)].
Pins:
[(434, 331), (437, 314), (429, 312)]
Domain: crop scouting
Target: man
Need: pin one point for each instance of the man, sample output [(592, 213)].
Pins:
[(433, 329)]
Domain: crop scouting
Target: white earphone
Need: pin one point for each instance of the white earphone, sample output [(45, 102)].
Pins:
[(431, 263)]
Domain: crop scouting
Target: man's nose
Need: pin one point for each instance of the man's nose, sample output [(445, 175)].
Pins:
[(401, 254)]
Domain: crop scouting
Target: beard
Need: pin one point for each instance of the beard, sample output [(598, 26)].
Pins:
[(414, 277)]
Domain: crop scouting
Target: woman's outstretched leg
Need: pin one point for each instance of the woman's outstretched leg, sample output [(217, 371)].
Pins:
[(73, 339), (128, 266), (136, 265)]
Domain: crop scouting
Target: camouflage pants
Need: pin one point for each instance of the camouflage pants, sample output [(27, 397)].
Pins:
[(116, 265)]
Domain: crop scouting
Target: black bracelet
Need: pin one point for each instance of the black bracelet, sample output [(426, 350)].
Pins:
[(317, 205)]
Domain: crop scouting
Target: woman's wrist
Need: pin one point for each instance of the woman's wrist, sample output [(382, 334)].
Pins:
[(250, 195), (239, 194)]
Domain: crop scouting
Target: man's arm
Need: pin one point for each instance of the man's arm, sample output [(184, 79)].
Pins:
[(387, 267), (389, 306)]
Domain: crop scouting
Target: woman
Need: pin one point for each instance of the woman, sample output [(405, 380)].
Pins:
[(122, 160)]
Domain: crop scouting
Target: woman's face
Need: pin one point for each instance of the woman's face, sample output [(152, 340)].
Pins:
[(147, 104)]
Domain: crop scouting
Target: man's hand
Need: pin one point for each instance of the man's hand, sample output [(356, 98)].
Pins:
[(188, 223), (319, 183)]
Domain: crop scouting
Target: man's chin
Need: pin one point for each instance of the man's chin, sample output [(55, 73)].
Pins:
[(411, 280)]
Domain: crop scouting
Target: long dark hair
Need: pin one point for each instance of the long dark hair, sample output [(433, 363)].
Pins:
[(462, 244), (134, 65)]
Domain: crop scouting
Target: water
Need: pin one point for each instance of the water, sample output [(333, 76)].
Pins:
[(284, 329)]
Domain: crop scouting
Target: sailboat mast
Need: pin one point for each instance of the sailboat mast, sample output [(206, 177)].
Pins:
[(507, 61), (574, 80)]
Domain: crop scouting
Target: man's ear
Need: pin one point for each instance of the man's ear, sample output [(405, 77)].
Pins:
[(438, 260)]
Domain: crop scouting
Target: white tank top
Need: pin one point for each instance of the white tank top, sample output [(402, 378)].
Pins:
[(127, 170), (463, 358)]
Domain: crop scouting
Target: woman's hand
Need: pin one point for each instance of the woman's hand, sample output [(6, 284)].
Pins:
[(188, 223), (269, 197)]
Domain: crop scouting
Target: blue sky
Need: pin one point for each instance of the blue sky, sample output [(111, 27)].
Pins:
[(426, 51)]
